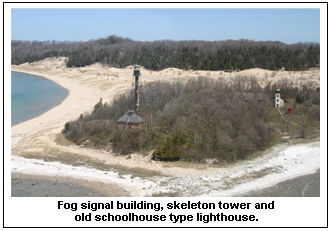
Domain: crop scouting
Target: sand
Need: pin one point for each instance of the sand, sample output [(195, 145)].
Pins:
[(301, 186), (36, 150)]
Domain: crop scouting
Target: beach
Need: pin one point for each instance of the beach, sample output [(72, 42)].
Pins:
[(39, 152), (301, 186), (33, 95)]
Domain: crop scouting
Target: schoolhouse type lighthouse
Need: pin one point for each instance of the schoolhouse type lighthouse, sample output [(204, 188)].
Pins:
[(277, 99)]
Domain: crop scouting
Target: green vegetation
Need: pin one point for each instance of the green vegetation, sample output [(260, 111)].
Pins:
[(199, 119), (171, 150), (229, 55)]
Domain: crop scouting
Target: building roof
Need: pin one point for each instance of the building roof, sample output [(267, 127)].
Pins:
[(130, 118)]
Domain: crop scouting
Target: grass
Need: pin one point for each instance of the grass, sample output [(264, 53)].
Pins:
[(60, 139), (55, 155), (166, 194), (68, 159)]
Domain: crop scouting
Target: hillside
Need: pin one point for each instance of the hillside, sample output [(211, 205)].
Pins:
[(229, 55)]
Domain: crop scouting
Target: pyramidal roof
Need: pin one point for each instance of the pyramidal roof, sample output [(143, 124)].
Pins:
[(130, 118)]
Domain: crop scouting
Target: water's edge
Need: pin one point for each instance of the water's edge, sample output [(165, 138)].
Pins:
[(34, 99)]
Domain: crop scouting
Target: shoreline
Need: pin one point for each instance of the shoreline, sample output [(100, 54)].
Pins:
[(67, 94), (25, 185), (301, 186), (278, 165), (59, 114), (85, 87)]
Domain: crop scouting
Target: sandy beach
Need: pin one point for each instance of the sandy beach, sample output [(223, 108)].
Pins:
[(39, 150)]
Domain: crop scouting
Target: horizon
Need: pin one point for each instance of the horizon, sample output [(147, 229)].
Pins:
[(288, 25), (249, 40)]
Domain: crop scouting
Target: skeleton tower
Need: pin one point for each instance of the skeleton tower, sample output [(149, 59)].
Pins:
[(136, 75)]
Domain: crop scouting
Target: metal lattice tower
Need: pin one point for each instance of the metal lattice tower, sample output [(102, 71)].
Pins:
[(136, 75)]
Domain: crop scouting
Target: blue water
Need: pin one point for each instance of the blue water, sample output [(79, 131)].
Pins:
[(32, 96)]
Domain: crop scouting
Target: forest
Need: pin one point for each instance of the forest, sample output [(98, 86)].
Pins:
[(199, 119), (228, 55)]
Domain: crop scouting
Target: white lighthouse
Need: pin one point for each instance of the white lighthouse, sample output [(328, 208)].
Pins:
[(277, 98)]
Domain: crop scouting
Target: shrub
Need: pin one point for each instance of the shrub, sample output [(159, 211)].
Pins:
[(67, 126), (179, 139), (169, 152), (299, 99)]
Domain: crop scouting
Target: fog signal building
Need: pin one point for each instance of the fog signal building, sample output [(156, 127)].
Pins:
[(131, 118)]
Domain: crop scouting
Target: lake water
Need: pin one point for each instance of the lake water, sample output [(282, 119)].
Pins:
[(33, 95)]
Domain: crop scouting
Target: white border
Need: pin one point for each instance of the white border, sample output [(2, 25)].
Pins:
[(42, 211)]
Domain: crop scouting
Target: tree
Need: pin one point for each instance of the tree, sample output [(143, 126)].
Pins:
[(219, 55)]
